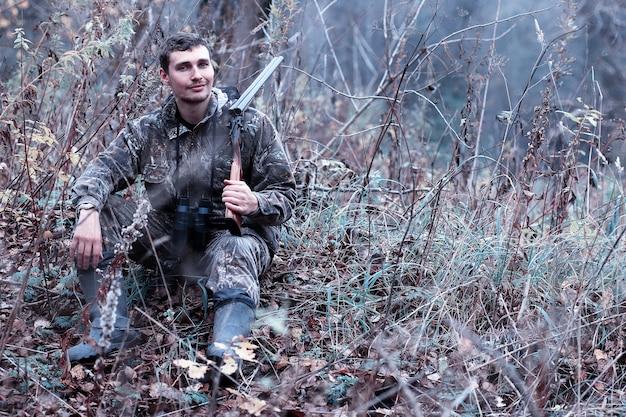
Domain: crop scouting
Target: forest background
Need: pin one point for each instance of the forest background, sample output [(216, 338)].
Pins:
[(458, 243)]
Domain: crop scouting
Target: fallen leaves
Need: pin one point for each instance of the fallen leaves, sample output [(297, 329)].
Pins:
[(245, 351), (229, 366), (163, 390), (249, 403), (194, 370)]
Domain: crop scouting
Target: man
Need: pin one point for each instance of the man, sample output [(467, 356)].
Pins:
[(183, 154)]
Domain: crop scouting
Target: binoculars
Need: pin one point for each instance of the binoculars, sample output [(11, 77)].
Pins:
[(192, 225)]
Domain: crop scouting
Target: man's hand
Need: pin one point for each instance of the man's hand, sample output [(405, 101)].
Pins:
[(239, 198), (87, 241)]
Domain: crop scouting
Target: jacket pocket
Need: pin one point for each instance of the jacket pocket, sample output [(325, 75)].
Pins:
[(159, 187), (155, 174)]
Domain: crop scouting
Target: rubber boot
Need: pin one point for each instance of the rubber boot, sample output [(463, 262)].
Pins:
[(233, 320), (121, 336)]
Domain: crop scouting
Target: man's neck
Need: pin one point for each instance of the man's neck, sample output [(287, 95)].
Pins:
[(192, 113)]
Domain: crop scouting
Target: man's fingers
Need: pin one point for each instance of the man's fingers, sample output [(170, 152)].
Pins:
[(86, 248), (83, 257), (84, 254)]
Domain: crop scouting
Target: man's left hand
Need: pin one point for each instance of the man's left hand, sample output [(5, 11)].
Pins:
[(239, 198)]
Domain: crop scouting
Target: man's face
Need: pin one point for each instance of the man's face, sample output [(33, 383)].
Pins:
[(190, 75)]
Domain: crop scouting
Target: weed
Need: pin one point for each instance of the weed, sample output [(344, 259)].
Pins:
[(457, 244)]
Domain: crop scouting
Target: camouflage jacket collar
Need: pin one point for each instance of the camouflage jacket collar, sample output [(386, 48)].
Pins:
[(171, 122)]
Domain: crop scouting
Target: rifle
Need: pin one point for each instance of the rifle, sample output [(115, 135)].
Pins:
[(238, 108)]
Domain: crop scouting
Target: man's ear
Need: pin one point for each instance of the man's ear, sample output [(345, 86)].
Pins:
[(164, 78)]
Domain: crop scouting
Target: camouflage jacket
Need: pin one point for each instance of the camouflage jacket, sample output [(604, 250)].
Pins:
[(176, 160)]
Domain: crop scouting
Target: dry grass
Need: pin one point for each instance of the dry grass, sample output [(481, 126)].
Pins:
[(419, 276)]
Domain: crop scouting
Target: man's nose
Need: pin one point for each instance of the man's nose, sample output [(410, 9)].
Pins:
[(195, 73)]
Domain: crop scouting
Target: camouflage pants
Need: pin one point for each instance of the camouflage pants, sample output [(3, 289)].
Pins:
[(227, 262)]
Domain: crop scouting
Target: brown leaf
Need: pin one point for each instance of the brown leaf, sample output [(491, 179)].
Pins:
[(245, 351), (162, 390), (78, 372), (248, 403), (194, 370)]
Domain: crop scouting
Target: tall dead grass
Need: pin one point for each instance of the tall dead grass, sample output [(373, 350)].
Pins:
[(420, 276)]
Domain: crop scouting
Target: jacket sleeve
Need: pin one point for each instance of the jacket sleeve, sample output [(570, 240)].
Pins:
[(112, 170), (271, 179)]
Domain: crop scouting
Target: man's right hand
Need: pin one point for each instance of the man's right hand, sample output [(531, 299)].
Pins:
[(86, 246)]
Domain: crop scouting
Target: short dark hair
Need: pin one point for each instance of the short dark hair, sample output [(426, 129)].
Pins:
[(181, 41)]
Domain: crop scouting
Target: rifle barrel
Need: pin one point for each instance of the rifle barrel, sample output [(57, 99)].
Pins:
[(233, 220), (244, 101)]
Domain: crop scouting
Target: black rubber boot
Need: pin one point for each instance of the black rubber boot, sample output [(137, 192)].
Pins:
[(234, 317), (121, 336)]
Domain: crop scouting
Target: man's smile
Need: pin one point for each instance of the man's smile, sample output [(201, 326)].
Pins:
[(198, 87)]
